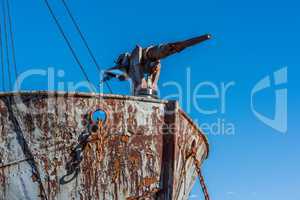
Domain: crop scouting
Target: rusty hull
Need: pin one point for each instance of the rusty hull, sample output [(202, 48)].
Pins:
[(139, 153)]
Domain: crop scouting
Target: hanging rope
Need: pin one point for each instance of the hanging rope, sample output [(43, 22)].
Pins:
[(6, 45), (82, 36), (2, 57), (68, 43), (12, 43)]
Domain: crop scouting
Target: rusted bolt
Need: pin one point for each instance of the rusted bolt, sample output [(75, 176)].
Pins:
[(94, 128)]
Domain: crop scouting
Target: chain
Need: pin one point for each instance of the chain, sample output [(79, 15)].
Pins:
[(73, 165), (197, 164)]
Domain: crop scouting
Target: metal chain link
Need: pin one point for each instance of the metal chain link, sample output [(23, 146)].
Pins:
[(197, 164), (73, 165)]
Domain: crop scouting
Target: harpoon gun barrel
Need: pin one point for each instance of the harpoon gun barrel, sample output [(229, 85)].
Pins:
[(161, 51)]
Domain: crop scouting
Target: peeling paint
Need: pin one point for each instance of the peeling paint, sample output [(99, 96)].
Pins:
[(135, 155)]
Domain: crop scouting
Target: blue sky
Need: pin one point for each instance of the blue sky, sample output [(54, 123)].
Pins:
[(251, 39)]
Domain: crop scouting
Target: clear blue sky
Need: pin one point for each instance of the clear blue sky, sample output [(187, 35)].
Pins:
[(252, 39)]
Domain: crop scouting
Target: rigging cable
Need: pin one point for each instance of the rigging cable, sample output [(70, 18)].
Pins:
[(10, 100), (82, 36), (68, 43), (6, 45), (12, 43), (2, 58)]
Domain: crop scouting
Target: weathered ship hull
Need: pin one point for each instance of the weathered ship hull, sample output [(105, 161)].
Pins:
[(140, 152)]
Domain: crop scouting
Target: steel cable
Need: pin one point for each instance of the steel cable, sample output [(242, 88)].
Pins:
[(12, 42), (2, 57), (6, 45), (68, 43), (82, 36)]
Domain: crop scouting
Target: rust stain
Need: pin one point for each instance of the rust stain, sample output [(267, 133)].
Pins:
[(146, 195), (117, 170), (148, 181), (124, 158)]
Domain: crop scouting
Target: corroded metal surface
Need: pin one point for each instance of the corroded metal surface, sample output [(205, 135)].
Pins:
[(141, 152), (143, 66)]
